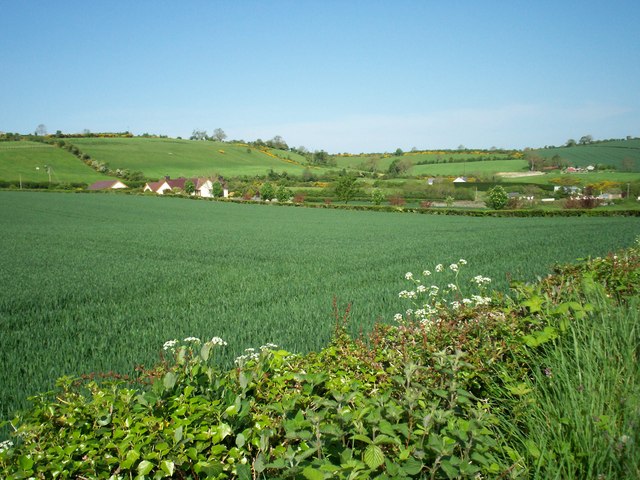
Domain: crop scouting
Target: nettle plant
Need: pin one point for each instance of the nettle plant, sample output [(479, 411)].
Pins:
[(438, 295)]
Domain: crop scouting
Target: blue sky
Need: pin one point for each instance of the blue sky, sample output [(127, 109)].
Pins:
[(344, 76)]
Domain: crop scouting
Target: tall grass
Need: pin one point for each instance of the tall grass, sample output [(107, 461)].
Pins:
[(584, 415)]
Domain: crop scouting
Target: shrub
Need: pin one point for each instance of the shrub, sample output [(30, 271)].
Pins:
[(396, 201), (581, 202), (497, 198)]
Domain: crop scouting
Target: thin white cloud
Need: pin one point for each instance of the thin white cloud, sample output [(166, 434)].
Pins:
[(511, 126)]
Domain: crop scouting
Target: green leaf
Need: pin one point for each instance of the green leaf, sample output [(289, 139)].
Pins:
[(25, 462), (373, 456), (412, 466), (168, 467), (449, 469), (519, 390), (131, 458), (243, 471), (240, 440), (144, 467), (177, 434), (169, 380), (362, 438), (258, 464), (205, 351), (311, 473)]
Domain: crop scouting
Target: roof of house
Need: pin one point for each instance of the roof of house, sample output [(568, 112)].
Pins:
[(155, 186), (103, 184)]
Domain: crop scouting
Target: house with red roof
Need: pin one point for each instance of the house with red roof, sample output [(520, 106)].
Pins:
[(202, 186), (107, 185)]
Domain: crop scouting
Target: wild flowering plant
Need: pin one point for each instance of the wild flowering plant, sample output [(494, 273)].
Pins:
[(439, 294)]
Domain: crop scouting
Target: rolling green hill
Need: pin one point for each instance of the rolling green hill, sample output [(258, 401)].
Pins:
[(624, 155), (30, 162), (157, 157)]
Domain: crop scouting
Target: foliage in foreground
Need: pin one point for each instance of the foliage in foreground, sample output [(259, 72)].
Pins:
[(496, 387)]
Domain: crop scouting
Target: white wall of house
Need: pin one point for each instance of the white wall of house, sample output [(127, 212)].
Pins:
[(118, 184), (205, 189)]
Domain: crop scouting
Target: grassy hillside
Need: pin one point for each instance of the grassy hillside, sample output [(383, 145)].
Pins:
[(27, 160), (157, 157), (622, 154)]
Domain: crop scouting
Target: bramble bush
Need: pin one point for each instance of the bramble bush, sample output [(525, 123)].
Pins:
[(460, 385)]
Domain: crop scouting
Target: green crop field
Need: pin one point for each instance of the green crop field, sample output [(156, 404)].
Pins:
[(157, 157), (99, 282), (27, 160), (622, 154)]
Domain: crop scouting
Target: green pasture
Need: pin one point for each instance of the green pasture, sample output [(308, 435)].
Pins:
[(608, 153), (99, 282), (579, 178), (484, 168), (28, 161), (157, 157), (382, 161)]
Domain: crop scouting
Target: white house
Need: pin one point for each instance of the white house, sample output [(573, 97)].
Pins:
[(202, 186), (460, 180), (107, 185)]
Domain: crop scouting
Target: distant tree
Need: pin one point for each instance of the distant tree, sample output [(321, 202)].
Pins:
[(219, 135), (497, 198), (585, 140), (570, 143), (308, 176), (283, 194), (535, 161), (345, 188), (216, 189), (399, 167), (267, 192), (398, 152), (189, 187), (198, 135), (377, 197), (41, 130), (58, 133), (278, 142), (320, 158)]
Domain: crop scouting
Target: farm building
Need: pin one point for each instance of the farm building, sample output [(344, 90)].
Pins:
[(203, 186), (107, 185), (460, 180)]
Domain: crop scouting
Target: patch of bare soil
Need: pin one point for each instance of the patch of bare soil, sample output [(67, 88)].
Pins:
[(520, 174)]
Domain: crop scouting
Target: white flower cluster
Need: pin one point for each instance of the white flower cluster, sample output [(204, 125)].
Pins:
[(6, 445), (249, 354), (218, 341), (480, 280), (438, 300), (407, 294), (192, 340), (480, 300), (169, 345)]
